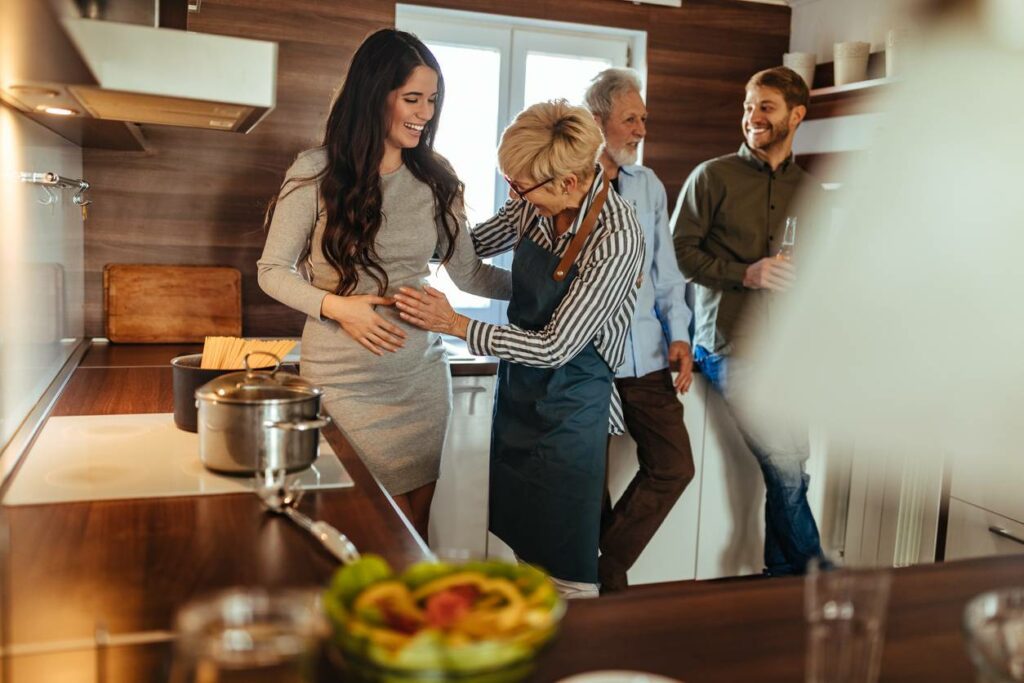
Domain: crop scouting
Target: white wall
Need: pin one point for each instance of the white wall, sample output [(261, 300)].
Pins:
[(817, 24), (41, 267)]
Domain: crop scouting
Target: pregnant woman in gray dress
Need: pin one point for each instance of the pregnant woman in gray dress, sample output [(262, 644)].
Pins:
[(356, 219)]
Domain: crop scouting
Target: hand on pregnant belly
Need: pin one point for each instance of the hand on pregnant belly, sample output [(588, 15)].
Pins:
[(430, 310), (357, 317)]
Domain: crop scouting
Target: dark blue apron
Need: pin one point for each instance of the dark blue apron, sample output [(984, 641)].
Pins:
[(549, 437)]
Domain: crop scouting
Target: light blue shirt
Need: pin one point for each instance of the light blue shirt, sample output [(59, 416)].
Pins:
[(661, 315)]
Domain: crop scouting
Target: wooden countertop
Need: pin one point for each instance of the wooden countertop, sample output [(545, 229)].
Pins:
[(125, 566), (135, 355), (122, 567)]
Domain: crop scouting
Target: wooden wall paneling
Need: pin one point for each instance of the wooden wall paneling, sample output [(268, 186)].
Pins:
[(199, 196)]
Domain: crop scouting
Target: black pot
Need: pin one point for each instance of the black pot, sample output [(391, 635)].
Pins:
[(187, 377)]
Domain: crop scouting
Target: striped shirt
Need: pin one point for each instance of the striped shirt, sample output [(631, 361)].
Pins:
[(598, 306)]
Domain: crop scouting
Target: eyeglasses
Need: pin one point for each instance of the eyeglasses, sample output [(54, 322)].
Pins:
[(522, 193)]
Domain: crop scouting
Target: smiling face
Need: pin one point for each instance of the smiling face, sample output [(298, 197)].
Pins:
[(410, 107), (768, 122), (625, 128)]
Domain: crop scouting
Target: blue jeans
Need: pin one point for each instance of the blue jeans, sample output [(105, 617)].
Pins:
[(791, 536)]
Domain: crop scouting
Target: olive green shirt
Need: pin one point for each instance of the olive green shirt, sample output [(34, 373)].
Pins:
[(732, 214)]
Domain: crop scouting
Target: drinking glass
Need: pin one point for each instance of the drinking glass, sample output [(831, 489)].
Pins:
[(788, 244), (994, 630), (249, 635), (845, 611)]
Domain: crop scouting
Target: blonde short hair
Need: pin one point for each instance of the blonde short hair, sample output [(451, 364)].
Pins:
[(551, 140)]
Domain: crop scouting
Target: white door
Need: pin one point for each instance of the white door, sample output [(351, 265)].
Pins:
[(548, 65)]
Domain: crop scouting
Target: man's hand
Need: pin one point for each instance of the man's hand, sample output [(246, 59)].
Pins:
[(771, 273), (430, 310), (681, 360), (357, 317)]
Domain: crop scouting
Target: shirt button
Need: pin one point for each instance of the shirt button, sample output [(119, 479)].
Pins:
[(773, 207)]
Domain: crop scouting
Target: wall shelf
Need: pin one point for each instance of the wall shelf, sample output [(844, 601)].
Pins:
[(832, 102), (828, 99), (835, 92), (844, 100)]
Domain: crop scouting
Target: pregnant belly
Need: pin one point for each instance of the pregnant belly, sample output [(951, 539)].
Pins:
[(330, 355)]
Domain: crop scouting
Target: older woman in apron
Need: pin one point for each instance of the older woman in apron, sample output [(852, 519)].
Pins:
[(577, 255)]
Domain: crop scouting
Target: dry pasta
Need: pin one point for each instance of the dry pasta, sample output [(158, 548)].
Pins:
[(228, 353)]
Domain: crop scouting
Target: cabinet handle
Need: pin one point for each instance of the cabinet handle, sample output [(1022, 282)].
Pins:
[(999, 531), (472, 390)]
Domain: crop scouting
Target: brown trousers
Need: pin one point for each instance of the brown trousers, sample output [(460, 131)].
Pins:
[(654, 418)]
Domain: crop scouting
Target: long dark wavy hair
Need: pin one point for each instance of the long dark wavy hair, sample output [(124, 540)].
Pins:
[(354, 142)]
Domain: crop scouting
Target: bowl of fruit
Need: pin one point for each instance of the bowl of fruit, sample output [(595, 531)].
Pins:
[(472, 622)]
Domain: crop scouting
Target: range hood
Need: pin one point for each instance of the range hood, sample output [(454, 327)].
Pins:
[(140, 74)]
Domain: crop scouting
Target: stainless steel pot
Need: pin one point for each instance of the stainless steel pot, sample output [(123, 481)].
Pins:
[(254, 420)]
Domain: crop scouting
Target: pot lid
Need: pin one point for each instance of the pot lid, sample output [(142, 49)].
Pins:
[(258, 386)]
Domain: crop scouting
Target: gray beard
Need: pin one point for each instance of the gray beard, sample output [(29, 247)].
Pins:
[(622, 157)]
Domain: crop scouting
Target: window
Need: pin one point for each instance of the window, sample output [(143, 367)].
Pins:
[(494, 67)]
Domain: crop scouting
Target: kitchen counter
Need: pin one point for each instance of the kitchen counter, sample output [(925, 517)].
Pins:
[(123, 567), (113, 572), (461, 363)]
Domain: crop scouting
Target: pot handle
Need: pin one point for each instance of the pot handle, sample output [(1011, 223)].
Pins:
[(249, 370), (299, 425)]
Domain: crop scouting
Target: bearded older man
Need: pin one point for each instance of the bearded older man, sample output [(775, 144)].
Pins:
[(658, 339)]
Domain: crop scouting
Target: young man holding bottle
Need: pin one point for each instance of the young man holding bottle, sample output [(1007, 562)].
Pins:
[(728, 237)]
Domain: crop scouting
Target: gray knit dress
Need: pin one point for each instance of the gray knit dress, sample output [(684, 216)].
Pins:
[(394, 408)]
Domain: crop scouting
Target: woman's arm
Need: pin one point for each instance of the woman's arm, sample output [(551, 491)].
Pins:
[(501, 232), (604, 283), (469, 272), (288, 240), (288, 243)]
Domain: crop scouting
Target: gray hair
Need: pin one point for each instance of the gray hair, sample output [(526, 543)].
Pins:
[(608, 85)]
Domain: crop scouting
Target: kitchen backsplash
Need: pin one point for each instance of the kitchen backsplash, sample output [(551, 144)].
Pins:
[(41, 266)]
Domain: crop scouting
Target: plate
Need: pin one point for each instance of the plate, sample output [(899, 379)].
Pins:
[(618, 677)]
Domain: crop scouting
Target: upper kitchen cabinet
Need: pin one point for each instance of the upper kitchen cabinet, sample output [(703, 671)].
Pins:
[(92, 71)]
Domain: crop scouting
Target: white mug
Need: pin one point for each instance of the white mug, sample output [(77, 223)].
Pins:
[(851, 61), (802, 63)]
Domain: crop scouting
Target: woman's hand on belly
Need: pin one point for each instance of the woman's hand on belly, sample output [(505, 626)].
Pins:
[(357, 317), (430, 310)]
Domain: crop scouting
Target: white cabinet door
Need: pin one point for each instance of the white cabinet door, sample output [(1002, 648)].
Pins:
[(731, 530), (672, 553), (458, 517), (994, 480), (976, 532), (716, 528)]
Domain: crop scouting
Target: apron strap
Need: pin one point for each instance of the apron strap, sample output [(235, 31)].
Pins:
[(589, 221)]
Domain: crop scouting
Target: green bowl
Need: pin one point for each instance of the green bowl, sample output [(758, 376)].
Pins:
[(356, 668), (429, 655)]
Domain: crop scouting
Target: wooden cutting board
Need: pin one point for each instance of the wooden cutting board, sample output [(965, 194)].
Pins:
[(153, 304)]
